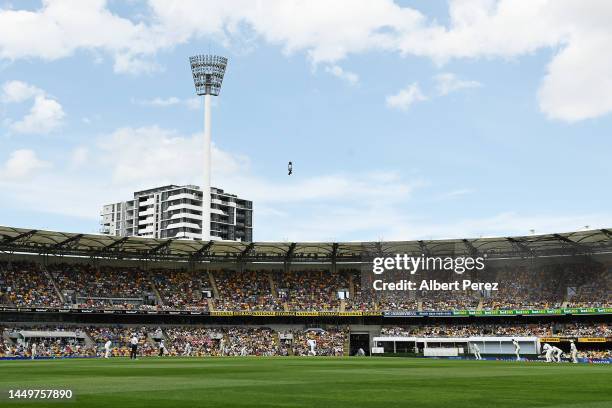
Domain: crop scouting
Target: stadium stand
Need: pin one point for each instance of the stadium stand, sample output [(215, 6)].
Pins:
[(83, 286), (274, 299)]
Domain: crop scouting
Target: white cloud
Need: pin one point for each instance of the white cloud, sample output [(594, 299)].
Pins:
[(406, 97), (126, 63), (164, 156), (45, 116), (448, 82), (61, 27), (350, 77), (577, 84), (18, 91), (191, 103), (21, 165)]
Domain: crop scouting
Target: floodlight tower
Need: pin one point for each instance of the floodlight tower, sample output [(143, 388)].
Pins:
[(207, 71)]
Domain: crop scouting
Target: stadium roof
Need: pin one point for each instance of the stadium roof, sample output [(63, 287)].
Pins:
[(19, 240)]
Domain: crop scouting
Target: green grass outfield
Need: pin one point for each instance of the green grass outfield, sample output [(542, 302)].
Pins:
[(309, 382)]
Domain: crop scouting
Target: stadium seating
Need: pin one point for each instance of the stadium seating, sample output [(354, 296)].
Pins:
[(80, 285)]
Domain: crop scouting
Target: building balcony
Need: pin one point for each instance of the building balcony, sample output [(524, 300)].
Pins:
[(148, 211), (186, 215), (182, 196), (182, 225), (188, 235), (146, 221), (184, 207), (147, 230)]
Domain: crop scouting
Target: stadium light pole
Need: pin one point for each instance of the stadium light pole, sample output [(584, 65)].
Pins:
[(207, 71)]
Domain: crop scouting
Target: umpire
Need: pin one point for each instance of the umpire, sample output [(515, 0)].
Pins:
[(134, 347)]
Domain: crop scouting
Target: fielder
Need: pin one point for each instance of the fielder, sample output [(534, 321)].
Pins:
[(517, 349), (107, 348), (313, 346), (476, 351), (33, 349), (548, 350), (187, 351), (557, 352), (573, 352)]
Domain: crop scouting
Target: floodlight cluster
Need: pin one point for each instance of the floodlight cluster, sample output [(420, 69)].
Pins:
[(208, 72)]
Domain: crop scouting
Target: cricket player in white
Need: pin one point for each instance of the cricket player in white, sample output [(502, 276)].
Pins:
[(162, 348), (187, 351), (573, 352), (243, 351), (517, 349), (107, 348), (313, 345), (548, 350), (222, 347), (476, 351), (557, 352), (33, 350)]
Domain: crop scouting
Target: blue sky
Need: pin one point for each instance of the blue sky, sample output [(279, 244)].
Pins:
[(403, 120)]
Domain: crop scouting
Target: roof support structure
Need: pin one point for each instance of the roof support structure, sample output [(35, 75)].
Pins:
[(573, 244), (290, 251), (66, 243), (246, 252), (474, 253), (334, 252), (159, 248), (119, 243), (8, 240), (202, 251), (424, 248), (607, 232), (520, 245)]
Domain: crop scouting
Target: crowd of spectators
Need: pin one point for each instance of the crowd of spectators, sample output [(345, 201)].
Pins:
[(587, 330), (25, 284), (360, 300), (247, 291), (181, 289), (102, 286), (467, 330), (311, 290), (501, 330)]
